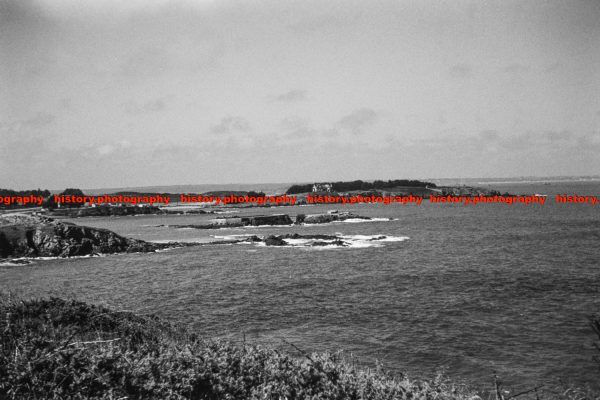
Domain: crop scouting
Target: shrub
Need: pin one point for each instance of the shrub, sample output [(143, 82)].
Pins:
[(56, 349)]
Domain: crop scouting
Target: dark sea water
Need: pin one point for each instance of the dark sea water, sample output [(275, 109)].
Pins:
[(474, 289)]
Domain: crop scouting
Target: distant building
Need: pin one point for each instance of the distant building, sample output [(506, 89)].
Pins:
[(322, 187), (226, 221)]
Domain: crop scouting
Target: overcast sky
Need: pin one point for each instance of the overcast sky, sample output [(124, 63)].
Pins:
[(129, 93)]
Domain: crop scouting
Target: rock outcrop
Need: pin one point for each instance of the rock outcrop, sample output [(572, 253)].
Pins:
[(232, 222), (275, 219), (326, 218), (35, 236), (123, 210), (274, 241), (283, 240)]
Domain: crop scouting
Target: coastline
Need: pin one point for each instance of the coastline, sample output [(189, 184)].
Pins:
[(111, 265)]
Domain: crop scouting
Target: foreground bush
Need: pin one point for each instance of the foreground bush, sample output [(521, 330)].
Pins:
[(57, 349)]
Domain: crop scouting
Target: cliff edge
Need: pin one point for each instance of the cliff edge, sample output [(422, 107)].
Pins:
[(23, 235)]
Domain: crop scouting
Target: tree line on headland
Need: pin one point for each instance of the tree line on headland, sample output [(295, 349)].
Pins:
[(24, 193), (341, 186), (360, 185)]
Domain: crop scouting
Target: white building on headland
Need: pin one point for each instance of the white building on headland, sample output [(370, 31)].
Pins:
[(322, 187)]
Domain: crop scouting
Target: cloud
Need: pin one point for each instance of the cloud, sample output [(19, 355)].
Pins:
[(590, 142), (297, 128), (26, 150), (326, 23), (105, 149), (357, 121), (40, 120), (231, 124), (145, 62), (545, 140), (556, 136), (461, 71), (492, 140), (37, 121), (516, 69), (65, 103), (553, 67), (111, 148), (292, 96), (148, 107), (489, 135)]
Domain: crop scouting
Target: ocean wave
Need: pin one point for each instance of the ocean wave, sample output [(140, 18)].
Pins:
[(232, 237), (352, 221), (362, 241), (359, 220), (184, 240), (31, 260), (264, 226), (314, 242), (339, 241), (14, 263)]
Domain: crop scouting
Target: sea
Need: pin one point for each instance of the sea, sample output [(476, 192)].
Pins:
[(468, 291)]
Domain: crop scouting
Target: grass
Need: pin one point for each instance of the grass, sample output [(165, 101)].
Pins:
[(59, 349)]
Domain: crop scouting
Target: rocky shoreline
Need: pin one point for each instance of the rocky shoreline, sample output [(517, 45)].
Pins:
[(236, 222), (23, 235), (300, 240), (121, 211), (272, 220)]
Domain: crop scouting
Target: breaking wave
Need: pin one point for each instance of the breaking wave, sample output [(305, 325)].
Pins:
[(337, 241)]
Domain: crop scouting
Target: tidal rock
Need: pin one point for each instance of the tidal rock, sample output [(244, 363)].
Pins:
[(326, 218), (34, 236), (233, 222), (313, 240), (274, 241), (258, 220), (337, 242)]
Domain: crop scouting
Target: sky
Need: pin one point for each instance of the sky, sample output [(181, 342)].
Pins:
[(111, 93)]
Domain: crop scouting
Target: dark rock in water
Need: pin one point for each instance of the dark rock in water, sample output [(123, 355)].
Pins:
[(275, 241), (337, 242), (258, 220), (326, 218), (300, 218), (185, 211), (378, 238), (314, 236), (320, 218), (311, 240), (34, 236), (318, 240)]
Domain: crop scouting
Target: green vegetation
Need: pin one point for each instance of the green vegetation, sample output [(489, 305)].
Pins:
[(35, 192), (22, 193), (50, 203), (58, 349)]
